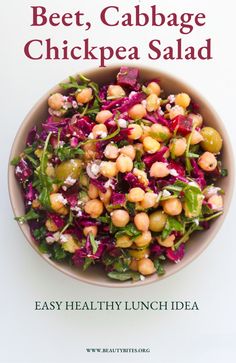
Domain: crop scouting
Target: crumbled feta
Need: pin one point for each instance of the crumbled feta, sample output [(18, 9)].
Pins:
[(171, 98), (64, 188), (142, 278), (102, 134), (122, 123), (196, 221), (70, 181), (133, 93), (90, 136), (194, 184), (95, 168), (160, 112), (144, 103), (109, 183), (18, 169), (50, 240), (166, 193), (173, 172), (74, 104), (210, 191), (60, 198), (63, 238)]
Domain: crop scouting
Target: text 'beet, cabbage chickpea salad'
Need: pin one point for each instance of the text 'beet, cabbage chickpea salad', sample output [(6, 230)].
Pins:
[(120, 175)]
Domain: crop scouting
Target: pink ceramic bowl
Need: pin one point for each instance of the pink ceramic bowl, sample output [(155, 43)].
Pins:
[(199, 241)]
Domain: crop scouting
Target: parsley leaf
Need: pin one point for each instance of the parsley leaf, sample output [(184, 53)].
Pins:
[(27, 217), (172, 224), (124, 276)]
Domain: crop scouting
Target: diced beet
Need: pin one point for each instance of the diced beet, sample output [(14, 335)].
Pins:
[(128, 77), (176, 255), (183, 125)]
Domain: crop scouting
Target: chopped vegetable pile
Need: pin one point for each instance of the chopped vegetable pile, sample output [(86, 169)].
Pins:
[(120, 175)]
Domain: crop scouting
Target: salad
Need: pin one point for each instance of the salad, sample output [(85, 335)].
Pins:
[(120, 175)]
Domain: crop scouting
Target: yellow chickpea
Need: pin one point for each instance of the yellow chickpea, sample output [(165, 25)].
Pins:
[(94, 207), (51, 226), (84, 180), (172, 206), (146, 131), (157, 221), (128, 150), (142, 176), (105, 197), (92, 191), (153, 87), (115, 91), (196, 137), (139, 253), (153, 102), (90, 229), (160, 133), (141, 221), (150, 200), (197, 119), (55, 101), (136, 132), (124, 242), (103, 116), (175, 111), (36, 204), (99, 131), (120, 217), (146, 266), (216, 202), (136, 195), (168, 242), (183, 100), (84, 96), (144, 239), (151, 145), (133, 265), (108, 169), (159, 170), (207, 161), (90, 151), (50, 171), (124, 164), (111, 151), (55, 188), (58, 203), (137, 112), (178, 146)]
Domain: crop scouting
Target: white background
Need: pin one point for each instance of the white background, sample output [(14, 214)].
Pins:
[(27, 336)]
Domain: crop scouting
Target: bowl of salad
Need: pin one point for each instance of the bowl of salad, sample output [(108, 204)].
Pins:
[(121, 176)]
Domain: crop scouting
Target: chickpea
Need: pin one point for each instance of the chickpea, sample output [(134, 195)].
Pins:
[(141, 221), (120, 217), (216, 202), (51, 226), (138, 254), (136, 132), (68, 243), (136, 195), (111, 151), (151, 145), (92, 191), (115, 91), (105, 197), (146, 131), (84, 180), (153, 102), (160, 133), (178, 146), (108, 169), (90, 151), (175, 111), (168, 242), (55, 188), (84, 96), (142, 176), (157, 221), (57, 203), (144, 239), (38, 153), (149, 201), (194, 213), (159, 170), (94, 207), (196, 137), (55, 101), (103, 116), (172, 206), (137, 112), (197, 119), (124, 242), (99, 131), (128, 150), (183, 100), (146, 266), (90, 229), (154, 88), (133, 265), (207, 161), (124, 163), (36, 204), (212, 140)]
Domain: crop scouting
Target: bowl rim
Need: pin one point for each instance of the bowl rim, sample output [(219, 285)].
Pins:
[(147, 281)]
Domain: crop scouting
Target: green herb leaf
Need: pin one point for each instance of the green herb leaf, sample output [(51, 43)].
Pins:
[(39, 233), (66, 152), (159, 267), (44, 247), (93, 243), (129, 230), (15, 161), (59, 253), (172, 224), (87, 263), (105, 219), (71, 84), (193, 198), (224, 172), (124, 276), (130, 208), (27, 217)]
